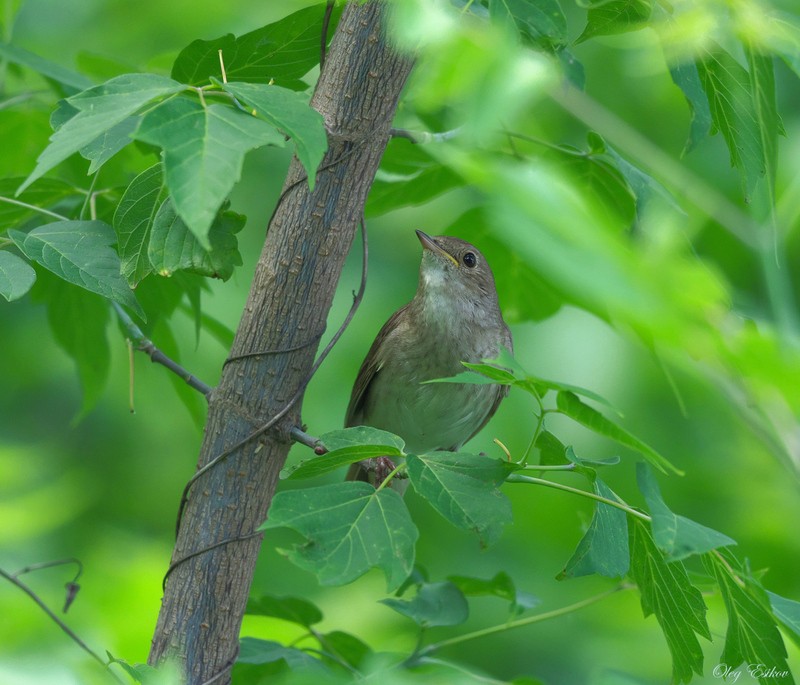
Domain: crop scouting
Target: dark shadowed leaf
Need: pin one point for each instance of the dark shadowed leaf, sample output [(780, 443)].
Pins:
[(500, 586), (255, 651), (45, 194), (604, 547), (435, 604), (752, 636), (667, 592)]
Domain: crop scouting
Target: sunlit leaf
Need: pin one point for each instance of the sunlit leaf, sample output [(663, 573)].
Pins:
[(676, 536), (464, 489), (16, 276), (351, 527), (435, 604), (678, 606)]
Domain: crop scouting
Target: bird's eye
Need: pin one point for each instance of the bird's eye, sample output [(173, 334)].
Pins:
[(469, 259)]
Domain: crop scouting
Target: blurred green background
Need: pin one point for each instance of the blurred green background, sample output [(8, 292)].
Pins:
[(105, 489)]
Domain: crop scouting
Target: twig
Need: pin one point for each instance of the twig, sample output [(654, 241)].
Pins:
[(517, 478), (425, 136), (12, 578), (157, 356), (547, 615), (298, 435)]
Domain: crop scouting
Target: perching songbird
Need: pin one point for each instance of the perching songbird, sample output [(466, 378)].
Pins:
[(453, 317)]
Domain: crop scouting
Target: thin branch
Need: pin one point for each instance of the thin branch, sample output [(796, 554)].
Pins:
[(517, 478), (33, 208), (157, 356), (299, 435), (538, 618), (12, 578), (418, 137)]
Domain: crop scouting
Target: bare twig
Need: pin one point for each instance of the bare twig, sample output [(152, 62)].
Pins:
[(14, 580), (299, 435), (157, 356), (425, 136)]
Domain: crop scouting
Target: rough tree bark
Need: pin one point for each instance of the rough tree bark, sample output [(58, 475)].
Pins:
[(308, 238)]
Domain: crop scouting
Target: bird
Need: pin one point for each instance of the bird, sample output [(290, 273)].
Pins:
[(453, 317)]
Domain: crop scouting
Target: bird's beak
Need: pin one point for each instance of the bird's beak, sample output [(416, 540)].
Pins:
[(430, 244)]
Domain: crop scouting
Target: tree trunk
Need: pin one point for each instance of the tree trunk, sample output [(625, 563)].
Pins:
[(309, 236)]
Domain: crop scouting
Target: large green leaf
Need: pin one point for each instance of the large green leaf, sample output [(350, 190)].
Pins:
[(109, 143), (604, 547), (615, 16), (174, 248), (100, 109), (676, 536), (290, 112), (734, 112), (464, 489), (80, 252), (283, 51), (569, 404), (16, 276), (787, 611), (678, 606), (435, 604), (133, 221), (541, 22), (351, 527), (204, 149), (752, 637)]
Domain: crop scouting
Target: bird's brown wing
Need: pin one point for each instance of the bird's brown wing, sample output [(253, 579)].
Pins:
[(370, 368)]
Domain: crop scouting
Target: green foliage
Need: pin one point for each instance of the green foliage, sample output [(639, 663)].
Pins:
[(573, 208)]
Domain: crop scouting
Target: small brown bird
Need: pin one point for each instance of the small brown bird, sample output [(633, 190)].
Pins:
[(453, 317)]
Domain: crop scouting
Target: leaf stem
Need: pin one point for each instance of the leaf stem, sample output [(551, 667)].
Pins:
[(529, 620), (33, 208), (518, 478)]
